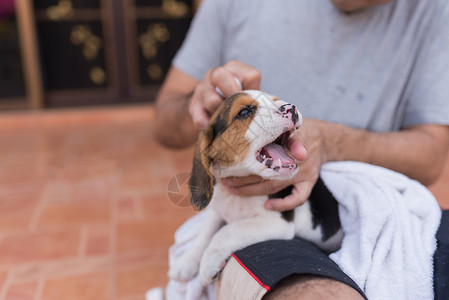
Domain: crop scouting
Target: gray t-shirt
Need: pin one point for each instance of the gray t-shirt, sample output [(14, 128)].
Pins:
[(380, 69)]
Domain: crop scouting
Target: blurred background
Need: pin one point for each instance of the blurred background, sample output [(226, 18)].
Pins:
[(60, 53), (89, 202)]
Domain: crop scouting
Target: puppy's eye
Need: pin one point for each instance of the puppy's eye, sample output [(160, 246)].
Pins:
[(246, 112)]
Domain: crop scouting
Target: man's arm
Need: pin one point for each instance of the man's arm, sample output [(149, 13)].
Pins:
[(173, 126), (418, 152)]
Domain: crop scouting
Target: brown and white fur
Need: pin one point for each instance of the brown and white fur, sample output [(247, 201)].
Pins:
[(243, 134)]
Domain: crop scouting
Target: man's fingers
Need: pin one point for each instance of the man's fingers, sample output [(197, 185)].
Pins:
[(236, 182), (298, 149), (249, 76), (199, 115), (264, 188), (298, 196), (256, 189), (211, 101), (223, 79), (206, 100)]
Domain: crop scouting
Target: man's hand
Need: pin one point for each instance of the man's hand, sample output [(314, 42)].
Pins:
[(303, 182), (205, 99)]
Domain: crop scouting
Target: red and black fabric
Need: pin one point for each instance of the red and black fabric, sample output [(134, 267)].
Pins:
[(271, 261)]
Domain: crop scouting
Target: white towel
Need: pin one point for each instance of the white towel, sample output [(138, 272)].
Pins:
[(193, 289), (389, 220)]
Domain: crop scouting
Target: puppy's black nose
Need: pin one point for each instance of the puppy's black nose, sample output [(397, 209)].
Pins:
[(289, 111)]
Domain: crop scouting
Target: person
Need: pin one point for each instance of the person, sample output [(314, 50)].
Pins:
[(369, 76)]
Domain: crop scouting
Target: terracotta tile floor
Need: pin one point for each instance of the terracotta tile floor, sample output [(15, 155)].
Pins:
[(84, 206), (84, 211)]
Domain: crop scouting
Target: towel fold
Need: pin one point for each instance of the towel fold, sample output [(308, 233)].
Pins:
[(390, 222)]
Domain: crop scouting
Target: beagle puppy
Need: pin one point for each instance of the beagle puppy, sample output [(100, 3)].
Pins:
[(248, 135)]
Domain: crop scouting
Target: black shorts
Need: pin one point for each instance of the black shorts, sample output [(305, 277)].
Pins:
[(441, 260), (271, 261)]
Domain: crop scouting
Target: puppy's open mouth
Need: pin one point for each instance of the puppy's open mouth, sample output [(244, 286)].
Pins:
[(274, 155)]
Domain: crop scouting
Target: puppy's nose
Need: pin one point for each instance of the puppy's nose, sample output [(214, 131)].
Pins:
[(289, 111)]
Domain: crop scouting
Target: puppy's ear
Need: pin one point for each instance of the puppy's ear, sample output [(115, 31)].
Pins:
[(201, 182)]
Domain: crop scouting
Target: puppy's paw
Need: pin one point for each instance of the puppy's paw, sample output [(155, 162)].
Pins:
[(184, 269), (210, 267)]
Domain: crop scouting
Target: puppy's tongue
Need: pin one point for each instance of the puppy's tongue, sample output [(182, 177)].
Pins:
[(276, 152)]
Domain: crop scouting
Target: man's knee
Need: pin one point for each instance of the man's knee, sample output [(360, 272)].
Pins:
[(311, 287)]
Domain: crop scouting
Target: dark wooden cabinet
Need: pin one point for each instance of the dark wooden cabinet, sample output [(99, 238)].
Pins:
[(12, 82), (89, 52), (155, 30), (77, 55)]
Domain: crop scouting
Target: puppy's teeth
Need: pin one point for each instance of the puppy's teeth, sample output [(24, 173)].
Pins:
[(269, 162), (260, 159), (292, 133)]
